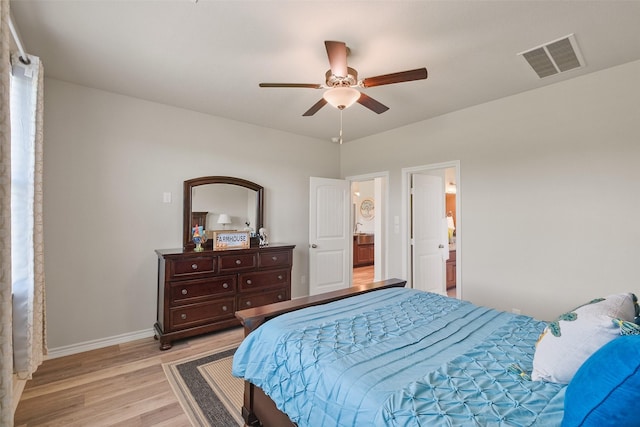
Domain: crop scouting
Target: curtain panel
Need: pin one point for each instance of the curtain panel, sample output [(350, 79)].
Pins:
[(6, 346), (22, 298), (29, 345)]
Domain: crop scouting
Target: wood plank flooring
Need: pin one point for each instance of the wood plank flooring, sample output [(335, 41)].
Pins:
[(120, 385), (362, 275)]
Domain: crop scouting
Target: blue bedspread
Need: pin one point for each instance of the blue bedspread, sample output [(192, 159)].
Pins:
[(400, 357)]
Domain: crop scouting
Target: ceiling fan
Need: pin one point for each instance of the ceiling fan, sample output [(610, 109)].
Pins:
[(341, 80)]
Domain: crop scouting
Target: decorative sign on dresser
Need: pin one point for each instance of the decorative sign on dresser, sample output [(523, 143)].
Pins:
[(231, 240), (199, 292)]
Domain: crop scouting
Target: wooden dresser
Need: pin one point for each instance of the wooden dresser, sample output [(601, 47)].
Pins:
[(199, 292)]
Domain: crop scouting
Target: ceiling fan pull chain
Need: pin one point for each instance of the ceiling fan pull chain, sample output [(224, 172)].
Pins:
[(341, 127)]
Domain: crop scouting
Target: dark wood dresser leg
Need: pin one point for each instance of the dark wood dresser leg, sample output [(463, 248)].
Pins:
[(165, 342)]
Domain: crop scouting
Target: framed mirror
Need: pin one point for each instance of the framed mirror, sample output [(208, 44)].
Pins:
[(221, 203)]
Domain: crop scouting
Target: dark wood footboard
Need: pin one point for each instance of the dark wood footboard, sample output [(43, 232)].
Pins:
[(258, 409)]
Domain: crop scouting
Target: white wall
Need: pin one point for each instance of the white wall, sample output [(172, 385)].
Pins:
[(108, 161), (549, 190)]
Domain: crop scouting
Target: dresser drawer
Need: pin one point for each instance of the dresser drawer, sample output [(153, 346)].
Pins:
[(237, 262), (190, 291), (262, 279), (201, 313), (274, 259), (191, 266), (262, 298)]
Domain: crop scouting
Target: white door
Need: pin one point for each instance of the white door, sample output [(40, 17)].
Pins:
[(430, 248), (329, 235)]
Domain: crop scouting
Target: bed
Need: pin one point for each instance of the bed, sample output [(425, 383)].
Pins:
[(393, 357)]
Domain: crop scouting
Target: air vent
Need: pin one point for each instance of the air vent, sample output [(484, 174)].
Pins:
[(554, 57)]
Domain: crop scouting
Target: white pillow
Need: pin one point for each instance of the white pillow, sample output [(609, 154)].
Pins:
[(567, 342)]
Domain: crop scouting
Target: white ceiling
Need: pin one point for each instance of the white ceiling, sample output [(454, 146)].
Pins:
[(209, 56)]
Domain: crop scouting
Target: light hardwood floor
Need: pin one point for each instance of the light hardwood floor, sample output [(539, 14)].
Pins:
[(362, 275), (120, 385)]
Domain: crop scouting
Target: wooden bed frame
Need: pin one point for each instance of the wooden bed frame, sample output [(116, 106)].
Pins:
[(258, 409)]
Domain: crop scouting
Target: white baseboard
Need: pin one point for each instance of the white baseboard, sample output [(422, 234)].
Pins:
[(68, 350)]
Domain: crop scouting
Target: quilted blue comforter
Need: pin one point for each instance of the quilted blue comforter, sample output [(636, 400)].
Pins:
[(400, 357)]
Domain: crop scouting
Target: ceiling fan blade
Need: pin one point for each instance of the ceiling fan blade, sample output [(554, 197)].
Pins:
[(318, 105), (302, 85), (372, 104), (337, 53), (403, 76)]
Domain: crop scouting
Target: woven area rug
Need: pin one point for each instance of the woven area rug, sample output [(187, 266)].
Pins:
[(208, 393)]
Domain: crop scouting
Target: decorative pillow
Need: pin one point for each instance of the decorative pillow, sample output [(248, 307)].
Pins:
[(627, 328), (606, 389), (568, 341)]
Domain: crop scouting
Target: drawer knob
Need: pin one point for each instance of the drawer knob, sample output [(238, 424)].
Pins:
[(249, 282), (274, 258), (238, 262), (184, 292), (280, 277), (279, 296), (225, 285), (224, 308), (248, 303), (194, 266), (183, 316)]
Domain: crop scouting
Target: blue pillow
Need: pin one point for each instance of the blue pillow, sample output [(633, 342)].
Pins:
[(606, 389)]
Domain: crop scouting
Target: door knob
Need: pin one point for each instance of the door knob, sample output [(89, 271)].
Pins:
[(314, 246), (440, 246)]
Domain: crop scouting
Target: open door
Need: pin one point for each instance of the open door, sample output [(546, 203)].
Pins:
[(329, 235), (430, 247)]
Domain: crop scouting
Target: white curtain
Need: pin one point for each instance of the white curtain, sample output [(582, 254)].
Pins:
[(6, 346), (29, 335), (29, 309)]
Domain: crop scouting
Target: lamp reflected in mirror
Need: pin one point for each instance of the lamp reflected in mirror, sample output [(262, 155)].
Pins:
[(224, 219)]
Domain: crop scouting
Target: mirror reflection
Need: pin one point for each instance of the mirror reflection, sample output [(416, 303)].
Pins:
[(221, 203), (223, 207)]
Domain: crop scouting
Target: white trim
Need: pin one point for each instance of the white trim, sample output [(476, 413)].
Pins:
[(406, 220), (68, 350)]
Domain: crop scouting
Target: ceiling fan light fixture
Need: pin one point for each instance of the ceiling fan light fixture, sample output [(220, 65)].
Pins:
[(341, 97)]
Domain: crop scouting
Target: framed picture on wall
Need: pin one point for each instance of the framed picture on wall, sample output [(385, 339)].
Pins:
[(367, 209)]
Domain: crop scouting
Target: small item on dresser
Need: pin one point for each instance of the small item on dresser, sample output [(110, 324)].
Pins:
[(264, 239), (254, 240), (223, 240), (199, 237)]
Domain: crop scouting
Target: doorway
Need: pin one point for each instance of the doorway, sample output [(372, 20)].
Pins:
[(431, 228), (368, 213)]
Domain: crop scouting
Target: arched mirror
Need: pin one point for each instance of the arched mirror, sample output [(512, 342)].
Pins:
[(221, 203)]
